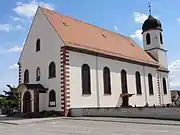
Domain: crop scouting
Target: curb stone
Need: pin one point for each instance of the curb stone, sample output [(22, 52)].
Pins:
[(121, 121), (9, 123)]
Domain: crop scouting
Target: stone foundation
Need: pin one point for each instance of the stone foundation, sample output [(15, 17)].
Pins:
[(171, 113)]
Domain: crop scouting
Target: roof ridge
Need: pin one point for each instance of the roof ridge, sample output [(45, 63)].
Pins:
[(114, 36), (87, 23)]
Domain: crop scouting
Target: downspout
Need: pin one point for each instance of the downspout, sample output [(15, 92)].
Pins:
[(145, 92), (97, 83)]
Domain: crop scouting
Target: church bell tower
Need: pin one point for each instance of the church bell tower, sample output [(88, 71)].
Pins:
[(153, 39)]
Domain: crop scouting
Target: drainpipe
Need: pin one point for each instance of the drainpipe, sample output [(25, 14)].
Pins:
[(145, 92), (97, 82)]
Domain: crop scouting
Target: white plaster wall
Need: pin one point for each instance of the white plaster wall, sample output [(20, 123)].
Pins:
[(163, 58), (155, 43), (42, 101), (76, 97), (115, 68), (160, 55), (154, 53), (152, 99), (79, 100), (49, 51), (155, 39), (165, 98)]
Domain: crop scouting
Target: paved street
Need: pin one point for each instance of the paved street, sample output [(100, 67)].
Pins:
[(62, 126)]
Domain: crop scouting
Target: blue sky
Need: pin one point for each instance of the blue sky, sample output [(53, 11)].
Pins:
[(122, 16)]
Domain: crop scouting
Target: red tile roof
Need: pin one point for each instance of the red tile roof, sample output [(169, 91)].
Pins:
[(82, 35)]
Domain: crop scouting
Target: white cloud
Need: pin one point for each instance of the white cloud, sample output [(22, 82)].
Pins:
[(178, 19), (174, 76), (139, 17), (15, 49), (137, 35), (5, 27), (115, 28), (18, 27), (15, 66), (175, 66), (28, 9), (17, 19), (9, 27)]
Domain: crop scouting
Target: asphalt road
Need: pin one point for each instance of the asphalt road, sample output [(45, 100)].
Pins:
[(84, 127)]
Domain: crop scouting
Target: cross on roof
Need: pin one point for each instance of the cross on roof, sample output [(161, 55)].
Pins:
[(149, 7)]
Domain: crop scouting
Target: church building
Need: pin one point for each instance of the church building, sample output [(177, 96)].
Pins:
[(67, 63)]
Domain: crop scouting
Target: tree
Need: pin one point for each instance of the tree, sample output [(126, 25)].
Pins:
[(177, 98), (10, 98)]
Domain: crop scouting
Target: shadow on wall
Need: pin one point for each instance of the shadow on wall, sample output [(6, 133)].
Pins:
[(116, 68)]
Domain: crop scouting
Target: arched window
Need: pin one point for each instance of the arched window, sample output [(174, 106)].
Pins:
[(148, 39), (52, 98), (138, 83), (150, 81), (38, 74), (26, 76), (164, 86), (161, 38), (86, 79), (107, 80), (38, 43), (124, 82), (52, 70)]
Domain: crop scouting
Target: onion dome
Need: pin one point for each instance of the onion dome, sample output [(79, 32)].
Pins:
[(151, 23)]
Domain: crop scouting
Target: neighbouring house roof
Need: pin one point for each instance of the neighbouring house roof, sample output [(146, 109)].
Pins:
[(174, 92), (78, 34), (175, 96)]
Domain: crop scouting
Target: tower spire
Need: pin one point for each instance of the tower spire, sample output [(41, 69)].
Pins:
[(149, 6)]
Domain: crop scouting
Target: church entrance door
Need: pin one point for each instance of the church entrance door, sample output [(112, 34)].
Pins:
[(125, 100), (27, 105)]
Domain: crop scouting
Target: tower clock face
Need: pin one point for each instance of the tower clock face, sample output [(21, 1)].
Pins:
[(155, 37)]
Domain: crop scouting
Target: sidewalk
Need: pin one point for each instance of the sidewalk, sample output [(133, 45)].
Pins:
[(27, 121), (127, 120), (100, 119)]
